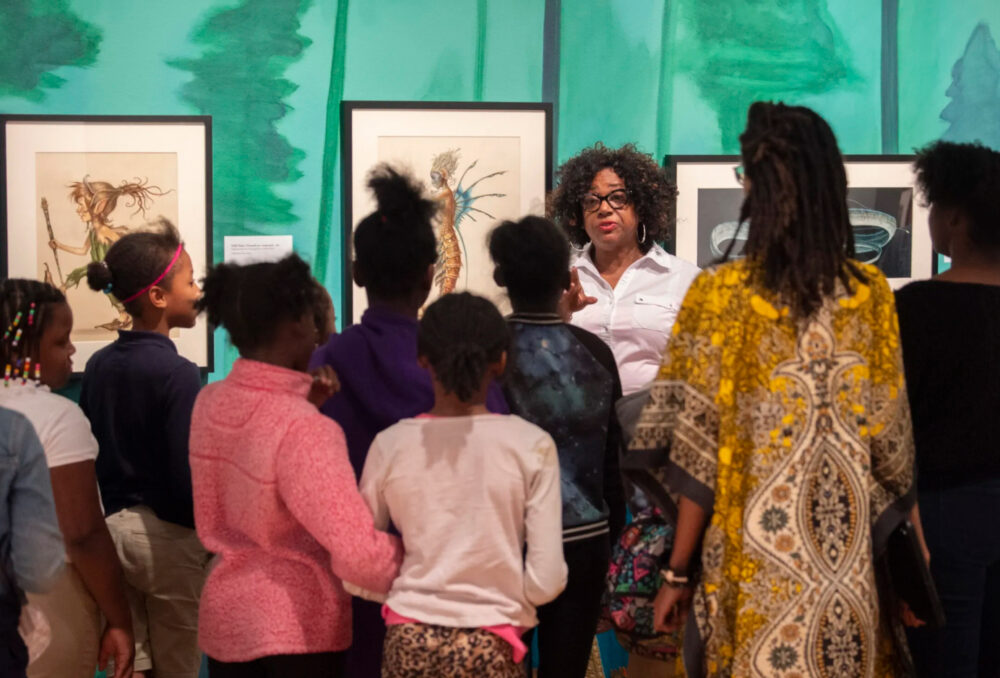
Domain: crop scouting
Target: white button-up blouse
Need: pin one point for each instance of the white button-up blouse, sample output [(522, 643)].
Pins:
[(636, 316)]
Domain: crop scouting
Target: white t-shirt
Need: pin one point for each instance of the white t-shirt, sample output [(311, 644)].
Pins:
[(636, 316), (467, 493), (61, 425)]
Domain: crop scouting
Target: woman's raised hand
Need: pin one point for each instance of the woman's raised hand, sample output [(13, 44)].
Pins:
[(574, 298)]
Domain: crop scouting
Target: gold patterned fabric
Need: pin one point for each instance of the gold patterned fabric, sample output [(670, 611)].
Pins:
[(795, 437)]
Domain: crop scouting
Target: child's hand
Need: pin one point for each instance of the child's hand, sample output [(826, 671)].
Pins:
[(325, 384)]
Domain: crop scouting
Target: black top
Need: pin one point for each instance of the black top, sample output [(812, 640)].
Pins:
[(564, 379), (138, 394), (950, 334)]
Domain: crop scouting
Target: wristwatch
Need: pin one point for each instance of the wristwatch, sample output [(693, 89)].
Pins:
[(674, 579)]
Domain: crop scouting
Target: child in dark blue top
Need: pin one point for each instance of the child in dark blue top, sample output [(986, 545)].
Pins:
[(564, 379), (139, 393)]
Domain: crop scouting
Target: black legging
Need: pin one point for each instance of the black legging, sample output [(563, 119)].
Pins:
[(318, 665), (566, 626)]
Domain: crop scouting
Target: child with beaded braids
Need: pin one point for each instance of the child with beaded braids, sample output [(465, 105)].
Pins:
[(87, 609), (138, 393), (476, 498), (274, 493)]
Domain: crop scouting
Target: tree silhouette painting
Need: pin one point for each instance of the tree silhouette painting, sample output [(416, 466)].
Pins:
[(744, 50), (238, 81), (39, 36), (974, 109)]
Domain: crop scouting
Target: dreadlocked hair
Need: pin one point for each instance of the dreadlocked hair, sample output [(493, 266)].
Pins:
[(25, 312), (251, 301), (135, 261), (800, 236), (461, 334), (394, 245)]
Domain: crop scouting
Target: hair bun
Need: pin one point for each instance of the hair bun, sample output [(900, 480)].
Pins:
[(99, 276), (398, 195)]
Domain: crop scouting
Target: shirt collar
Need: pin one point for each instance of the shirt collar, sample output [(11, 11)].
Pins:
[(136, 337), (14, 387), (380, 316), (267, 377), (656, 256), (535, 318)]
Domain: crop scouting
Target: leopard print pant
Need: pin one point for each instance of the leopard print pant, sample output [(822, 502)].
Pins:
[(416, 650)]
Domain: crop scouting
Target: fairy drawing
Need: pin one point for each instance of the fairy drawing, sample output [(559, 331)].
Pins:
[(455, 205), (95, 202)]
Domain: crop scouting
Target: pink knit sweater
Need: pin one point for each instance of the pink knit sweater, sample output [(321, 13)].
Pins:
[(276, 499)]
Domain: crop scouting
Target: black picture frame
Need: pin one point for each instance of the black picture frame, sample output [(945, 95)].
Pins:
[(420, 115), (23, 136), (888, 173)]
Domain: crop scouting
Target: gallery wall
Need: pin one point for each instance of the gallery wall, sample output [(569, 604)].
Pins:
[(673, 76)]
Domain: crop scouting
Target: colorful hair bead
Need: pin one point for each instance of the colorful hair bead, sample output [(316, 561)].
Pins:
[(17, 319), (38, 372), (17, 337), (6, 376), (26, 372), (31, 315)]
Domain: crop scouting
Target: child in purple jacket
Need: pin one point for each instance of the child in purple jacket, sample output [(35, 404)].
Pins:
[(376, 360)]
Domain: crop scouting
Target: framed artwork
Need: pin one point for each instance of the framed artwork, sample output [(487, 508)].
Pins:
[(890, 223), (482, 162), (73, 185)]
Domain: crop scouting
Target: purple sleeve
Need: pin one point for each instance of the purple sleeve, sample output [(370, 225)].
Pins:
[(495, 401), (319, 357)]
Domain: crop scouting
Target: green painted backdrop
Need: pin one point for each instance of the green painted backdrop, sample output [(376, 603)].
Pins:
[(675, 76)]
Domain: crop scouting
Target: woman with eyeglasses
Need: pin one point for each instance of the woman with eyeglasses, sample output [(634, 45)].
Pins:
[(615, 206)]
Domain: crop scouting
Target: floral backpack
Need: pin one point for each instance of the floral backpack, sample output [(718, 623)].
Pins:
[(644, 545), (634, 574)]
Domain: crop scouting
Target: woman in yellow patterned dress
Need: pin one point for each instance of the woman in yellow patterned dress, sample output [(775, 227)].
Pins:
[(781, 398)]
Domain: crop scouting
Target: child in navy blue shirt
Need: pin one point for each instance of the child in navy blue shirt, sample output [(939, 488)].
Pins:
[(564, 379), (139, 393)]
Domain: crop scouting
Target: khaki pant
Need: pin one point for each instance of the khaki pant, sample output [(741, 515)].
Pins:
[(76, 625), (165, 567)]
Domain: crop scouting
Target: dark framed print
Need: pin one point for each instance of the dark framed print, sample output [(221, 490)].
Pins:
[(482, 162), (890, 222), (73, 185)]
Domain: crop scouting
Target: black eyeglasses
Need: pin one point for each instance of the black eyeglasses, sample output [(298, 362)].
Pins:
[(617, 199), (740, 174)]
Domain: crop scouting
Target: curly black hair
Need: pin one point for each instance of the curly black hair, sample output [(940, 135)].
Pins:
[(966, 177), (651, 193), (251, 301)]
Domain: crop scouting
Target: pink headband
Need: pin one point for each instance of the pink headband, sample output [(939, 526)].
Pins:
[(148, 287)]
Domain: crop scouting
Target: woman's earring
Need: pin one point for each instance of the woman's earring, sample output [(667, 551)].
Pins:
[(642, 229)]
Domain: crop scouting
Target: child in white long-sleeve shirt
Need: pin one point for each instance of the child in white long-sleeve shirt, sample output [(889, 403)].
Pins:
[(468, 490)]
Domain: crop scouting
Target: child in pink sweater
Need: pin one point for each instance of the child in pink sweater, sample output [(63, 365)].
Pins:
[(274, 493)]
